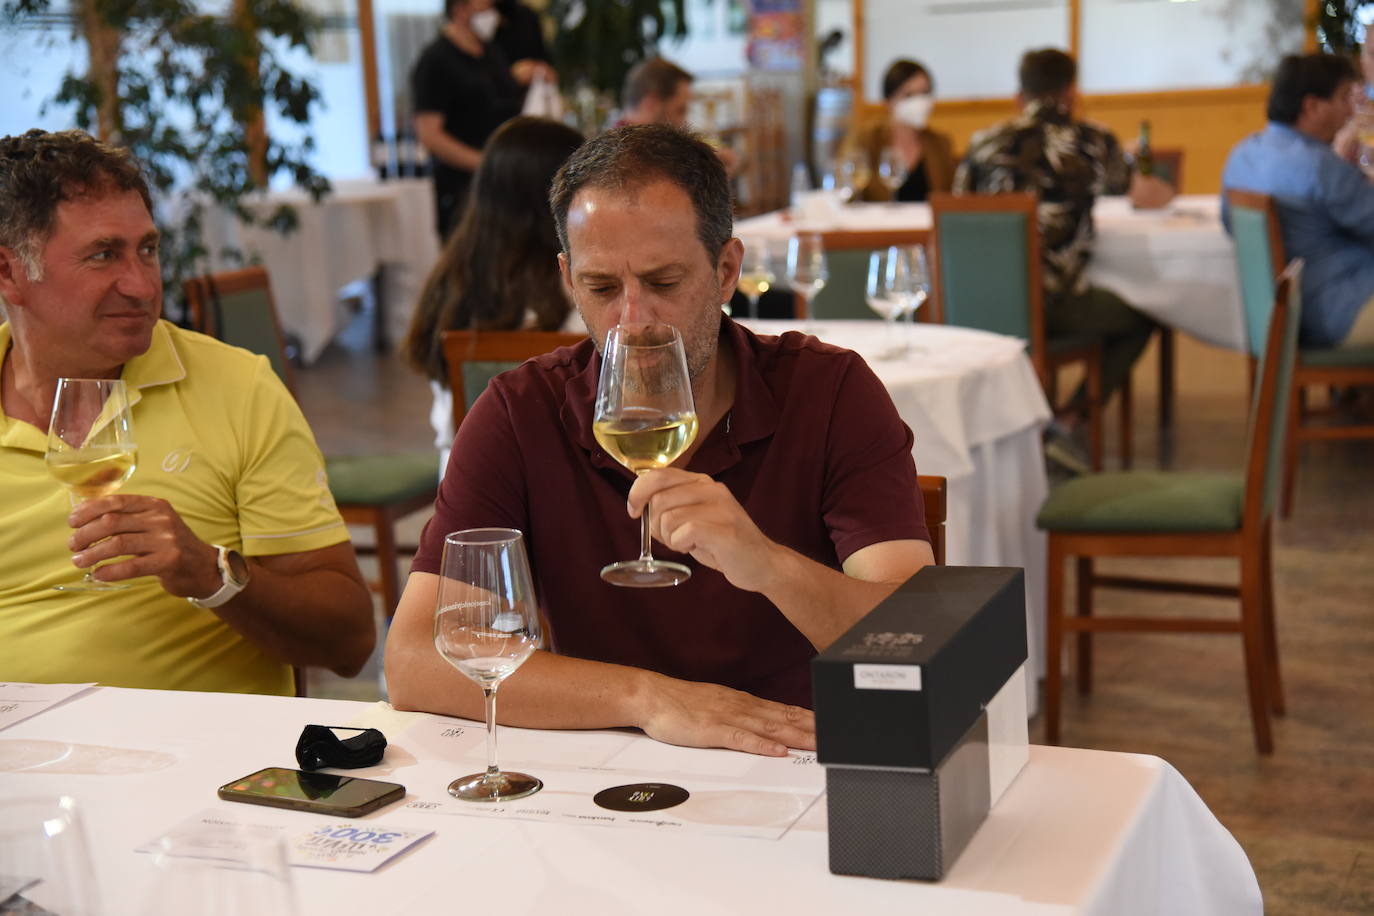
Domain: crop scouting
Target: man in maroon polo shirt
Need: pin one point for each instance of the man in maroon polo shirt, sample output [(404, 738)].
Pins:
[(796, 506)]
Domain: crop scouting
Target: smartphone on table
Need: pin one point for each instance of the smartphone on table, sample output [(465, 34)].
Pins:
[(323, 793)]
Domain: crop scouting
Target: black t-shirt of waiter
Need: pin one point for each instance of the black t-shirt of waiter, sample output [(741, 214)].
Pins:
[(475, 95)]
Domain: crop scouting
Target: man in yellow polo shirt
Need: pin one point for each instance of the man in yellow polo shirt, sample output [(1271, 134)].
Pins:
[(237, 562)]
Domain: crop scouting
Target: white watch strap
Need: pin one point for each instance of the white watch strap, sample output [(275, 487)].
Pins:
[(228, 587)]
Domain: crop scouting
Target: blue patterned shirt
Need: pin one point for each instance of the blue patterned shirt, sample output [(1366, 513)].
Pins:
[(1326, 213)]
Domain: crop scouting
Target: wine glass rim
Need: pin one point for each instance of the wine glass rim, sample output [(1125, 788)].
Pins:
[(116, 384), (484, 536), (644, 325)]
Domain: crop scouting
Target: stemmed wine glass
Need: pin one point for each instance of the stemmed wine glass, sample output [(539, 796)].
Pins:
[(645, 418), (486, 623), (91, 448), (898, 284), (892, 171), (756, 275), (807, 272)]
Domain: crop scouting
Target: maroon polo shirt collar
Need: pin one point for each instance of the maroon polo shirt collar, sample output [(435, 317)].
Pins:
[(753, 416)]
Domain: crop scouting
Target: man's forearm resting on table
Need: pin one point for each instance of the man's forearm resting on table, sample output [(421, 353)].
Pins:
[(554, 691)]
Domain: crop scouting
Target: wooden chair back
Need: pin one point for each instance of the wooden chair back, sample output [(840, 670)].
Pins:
[(933, 498), (1270, 411), (1254, 225), (237, 307), (1169, 165), (474, 358), (986, 272)]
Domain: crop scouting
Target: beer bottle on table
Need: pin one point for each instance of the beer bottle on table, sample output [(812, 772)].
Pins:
[(1144, 159)]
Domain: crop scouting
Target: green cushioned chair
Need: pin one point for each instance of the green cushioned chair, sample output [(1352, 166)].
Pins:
[(1259, 257), (987, 275), (1163, 514), (374, 490), (476, 357), (845, 294)]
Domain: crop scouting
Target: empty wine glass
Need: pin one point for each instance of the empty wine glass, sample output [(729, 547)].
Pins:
[(807, 271), (91, 448), (45, 864), (898, 284), (892, 171), (849, 174), (645, 418), (486, 624), (756, 275)]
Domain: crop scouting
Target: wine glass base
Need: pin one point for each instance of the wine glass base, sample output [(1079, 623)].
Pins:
[(646, 573), (494, 787), (90, 585)]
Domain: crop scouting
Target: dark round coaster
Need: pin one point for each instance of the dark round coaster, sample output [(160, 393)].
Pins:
[(641, 796)]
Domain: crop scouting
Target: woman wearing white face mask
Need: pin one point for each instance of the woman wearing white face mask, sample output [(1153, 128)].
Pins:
[(925, 158)]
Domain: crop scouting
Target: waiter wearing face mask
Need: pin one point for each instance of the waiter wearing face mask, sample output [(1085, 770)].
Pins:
[(464, 88), (924, 156)]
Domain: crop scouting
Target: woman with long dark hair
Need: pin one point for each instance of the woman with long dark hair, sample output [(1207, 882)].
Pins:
[(499, 269)]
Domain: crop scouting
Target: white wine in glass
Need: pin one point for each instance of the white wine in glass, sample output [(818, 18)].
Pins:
[(645, 419), (756, 275), (486, 624), (91, 448)]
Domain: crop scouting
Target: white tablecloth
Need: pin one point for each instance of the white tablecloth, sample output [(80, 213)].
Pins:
[(1177, 264), (976, 409), (1079, 831), (344, 238)]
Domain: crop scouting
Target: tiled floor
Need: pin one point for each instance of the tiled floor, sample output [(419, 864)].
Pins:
[(1305, 815)]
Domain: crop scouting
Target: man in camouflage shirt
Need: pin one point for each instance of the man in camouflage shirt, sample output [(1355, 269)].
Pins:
[(1068, 163)]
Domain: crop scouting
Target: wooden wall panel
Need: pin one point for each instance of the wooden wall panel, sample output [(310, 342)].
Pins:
[(1205, 123)]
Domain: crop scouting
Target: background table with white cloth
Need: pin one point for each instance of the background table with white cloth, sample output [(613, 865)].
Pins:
[(361, 226), (974, 404), (1082, 832), (1176, 264)]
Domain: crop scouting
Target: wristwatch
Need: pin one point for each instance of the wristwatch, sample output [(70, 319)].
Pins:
[(233, 574)]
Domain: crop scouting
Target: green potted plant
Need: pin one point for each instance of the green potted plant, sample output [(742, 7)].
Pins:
[(185, 91)]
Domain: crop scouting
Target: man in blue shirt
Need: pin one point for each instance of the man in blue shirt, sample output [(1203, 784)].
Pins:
[(1325, 204)]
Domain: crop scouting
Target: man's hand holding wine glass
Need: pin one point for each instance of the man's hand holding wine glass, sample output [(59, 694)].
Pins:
[(151, 539), (694, 514)]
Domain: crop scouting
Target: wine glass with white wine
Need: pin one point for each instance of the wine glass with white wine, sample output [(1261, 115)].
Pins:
[(756, 275), (486, 623), (91, 448), (645, 418)]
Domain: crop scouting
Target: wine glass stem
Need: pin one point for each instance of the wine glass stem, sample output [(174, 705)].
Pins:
[(645, 553), (490, 694), (753, 306)]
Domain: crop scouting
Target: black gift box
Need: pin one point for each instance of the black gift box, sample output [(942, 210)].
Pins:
[(906, 682), (921, 720)]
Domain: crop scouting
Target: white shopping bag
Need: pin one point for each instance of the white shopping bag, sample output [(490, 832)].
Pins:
[(543, 100)]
